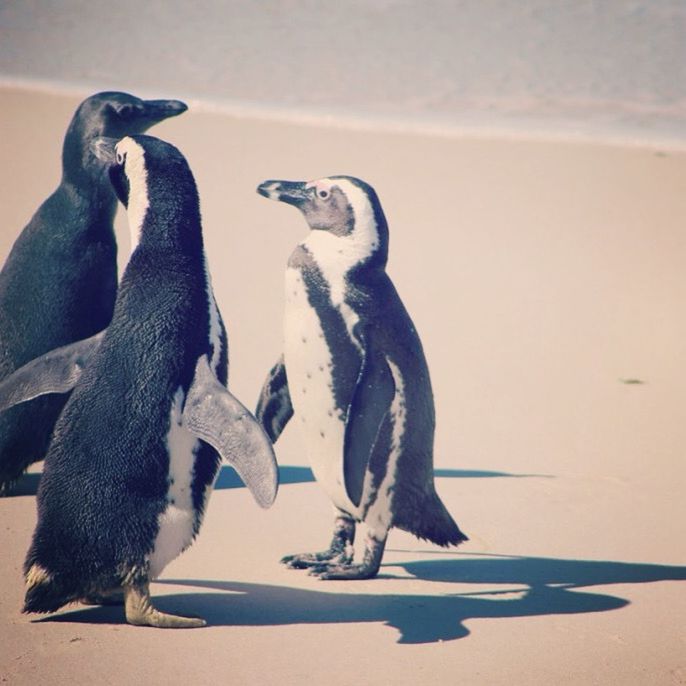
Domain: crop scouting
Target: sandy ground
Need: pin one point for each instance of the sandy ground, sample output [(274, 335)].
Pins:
[(543, 279)]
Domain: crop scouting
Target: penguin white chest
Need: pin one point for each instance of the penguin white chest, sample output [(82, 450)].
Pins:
[(177, 521), (310, 381)]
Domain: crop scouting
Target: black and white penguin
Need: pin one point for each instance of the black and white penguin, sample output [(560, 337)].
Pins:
[(137, 448), (59, 282), (354, 374)]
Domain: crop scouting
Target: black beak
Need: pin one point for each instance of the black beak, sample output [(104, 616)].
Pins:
[(291, 192), (157, 110)]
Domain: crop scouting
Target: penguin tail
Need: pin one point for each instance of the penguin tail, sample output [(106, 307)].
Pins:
[(44, 593), (436, 524)]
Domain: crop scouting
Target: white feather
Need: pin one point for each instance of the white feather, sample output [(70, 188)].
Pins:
[(137, 175), (307, 355), (215, 327), (176, 523), (308, 364)]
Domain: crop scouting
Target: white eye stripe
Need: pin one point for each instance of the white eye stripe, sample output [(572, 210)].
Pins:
[(322, 188), (120, 158)]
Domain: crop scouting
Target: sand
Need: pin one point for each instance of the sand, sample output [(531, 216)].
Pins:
[(546, 281)]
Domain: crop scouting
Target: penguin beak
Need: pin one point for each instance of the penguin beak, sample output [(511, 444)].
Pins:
[(291, 192), (157, 110)]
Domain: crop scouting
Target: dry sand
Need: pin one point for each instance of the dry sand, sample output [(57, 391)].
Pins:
[(542, 278)]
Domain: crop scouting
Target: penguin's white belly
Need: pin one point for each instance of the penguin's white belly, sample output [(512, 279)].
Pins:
[(310, 383), (177, 521)]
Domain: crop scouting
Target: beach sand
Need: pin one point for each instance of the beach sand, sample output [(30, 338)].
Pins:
[(546, 280)]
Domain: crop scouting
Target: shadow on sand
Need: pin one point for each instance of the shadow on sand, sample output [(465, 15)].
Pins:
[(533, 587), (27, 484)]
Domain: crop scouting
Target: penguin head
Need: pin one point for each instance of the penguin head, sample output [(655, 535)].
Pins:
[(114, 115), (153, 181), (343, 206)]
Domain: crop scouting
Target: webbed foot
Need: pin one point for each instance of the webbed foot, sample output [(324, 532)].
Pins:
[(348, 571), (308, 560), (141, 612), (343, 572), (340, 550)]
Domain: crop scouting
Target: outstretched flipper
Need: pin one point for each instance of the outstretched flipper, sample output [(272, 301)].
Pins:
[(274, 408), (371, 401), (218, 418), (57, 371)]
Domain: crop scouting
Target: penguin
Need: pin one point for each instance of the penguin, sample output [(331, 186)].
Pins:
[(59, 282), (137, 448), (354, 375)]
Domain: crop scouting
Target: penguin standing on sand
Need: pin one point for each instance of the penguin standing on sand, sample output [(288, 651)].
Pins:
[(59, 282), (354, 374), (136, 451)]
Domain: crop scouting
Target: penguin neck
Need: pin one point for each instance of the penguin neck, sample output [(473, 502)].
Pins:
[(172, 228), (364, 248), (82, 173)]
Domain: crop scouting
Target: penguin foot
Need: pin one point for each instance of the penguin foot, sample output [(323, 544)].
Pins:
[(113, 597), (340, 551), (140, 611), (343, 572), (308, 560)]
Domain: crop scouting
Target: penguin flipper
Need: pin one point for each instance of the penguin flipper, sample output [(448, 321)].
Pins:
[(57, 371), (371, 402), (274, 407), (214, 415)]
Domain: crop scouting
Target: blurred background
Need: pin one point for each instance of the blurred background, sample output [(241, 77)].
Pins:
[(610, 69)]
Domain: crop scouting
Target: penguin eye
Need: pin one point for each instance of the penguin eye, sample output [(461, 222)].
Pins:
[(120, 158), (323, 194), (126, 111)]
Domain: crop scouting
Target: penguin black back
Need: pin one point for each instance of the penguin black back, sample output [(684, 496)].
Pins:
[(58, 284), (138, 445), (107, 469)]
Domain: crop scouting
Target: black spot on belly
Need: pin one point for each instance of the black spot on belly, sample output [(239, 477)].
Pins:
[(346, 359)]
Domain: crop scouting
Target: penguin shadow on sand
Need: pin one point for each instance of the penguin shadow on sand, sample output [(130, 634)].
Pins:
[(27, 484), (507, 587)]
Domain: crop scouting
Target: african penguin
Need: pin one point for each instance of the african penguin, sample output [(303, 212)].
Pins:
[(59, 281), (354, 375), (137, 448)]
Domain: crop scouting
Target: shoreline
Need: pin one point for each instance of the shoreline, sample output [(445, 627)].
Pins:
[(615, 126)]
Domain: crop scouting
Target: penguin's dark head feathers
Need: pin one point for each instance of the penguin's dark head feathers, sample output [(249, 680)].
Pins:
[(117, 114), (110, 114), (323, 203)]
